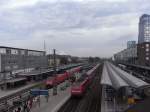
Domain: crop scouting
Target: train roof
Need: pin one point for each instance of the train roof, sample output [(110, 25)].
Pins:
[(117, 78)]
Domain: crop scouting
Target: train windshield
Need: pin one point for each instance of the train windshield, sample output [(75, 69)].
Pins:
[(82, 78)]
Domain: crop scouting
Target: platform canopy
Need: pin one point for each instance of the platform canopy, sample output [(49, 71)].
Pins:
[(117, 81), (117, 78), (130, 79), (105, 80)]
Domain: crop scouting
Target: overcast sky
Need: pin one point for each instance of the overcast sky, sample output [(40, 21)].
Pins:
[(75, 27)]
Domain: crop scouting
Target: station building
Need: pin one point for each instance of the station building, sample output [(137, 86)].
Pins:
[(131, 44), (15, 60), (139, 54), (128, 55)]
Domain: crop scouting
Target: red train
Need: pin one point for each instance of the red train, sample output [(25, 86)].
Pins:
[(80, 87), (61, 77)]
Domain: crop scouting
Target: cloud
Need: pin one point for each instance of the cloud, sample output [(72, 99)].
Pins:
[(77, 27)]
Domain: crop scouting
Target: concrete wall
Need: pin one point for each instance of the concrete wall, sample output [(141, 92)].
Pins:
[(13, 59), (16, 62)]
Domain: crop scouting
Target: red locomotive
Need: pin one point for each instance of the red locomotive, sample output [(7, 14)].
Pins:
[(61, 76), (80, 87)]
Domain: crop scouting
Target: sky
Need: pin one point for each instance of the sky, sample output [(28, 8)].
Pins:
[(75, 27)]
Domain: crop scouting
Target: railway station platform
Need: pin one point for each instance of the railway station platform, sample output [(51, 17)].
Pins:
[(111, 105), (6, 94), (106, 106), (54, 102)]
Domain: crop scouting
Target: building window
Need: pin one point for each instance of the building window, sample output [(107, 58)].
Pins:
[(22, 52), (146, 39), (147, 58), (147, 45), (35, 53), (15, 67), (2, 51), (147, 49), (7, 68), (14, 51)]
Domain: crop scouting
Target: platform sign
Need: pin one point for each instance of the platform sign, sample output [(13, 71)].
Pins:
[(37, 92), (44, 92)]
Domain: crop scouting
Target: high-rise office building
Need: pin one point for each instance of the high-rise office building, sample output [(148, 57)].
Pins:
[(144, 29), (143, 48)]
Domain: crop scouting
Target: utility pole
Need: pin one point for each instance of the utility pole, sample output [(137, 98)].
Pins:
[(44, 46), (4, 78), (49, 62), (55, 75)]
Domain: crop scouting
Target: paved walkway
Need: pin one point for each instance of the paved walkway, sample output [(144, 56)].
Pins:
[(54, 103)]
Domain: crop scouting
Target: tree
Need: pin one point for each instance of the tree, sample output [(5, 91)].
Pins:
[(91, 60), (63, 60), (74, 60)]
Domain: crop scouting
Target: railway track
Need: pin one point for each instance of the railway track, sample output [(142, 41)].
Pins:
[(95, 96), (91, 101), (70, 105)]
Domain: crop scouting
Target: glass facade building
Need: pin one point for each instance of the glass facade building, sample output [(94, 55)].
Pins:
[(144, 29), (131, 44)]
